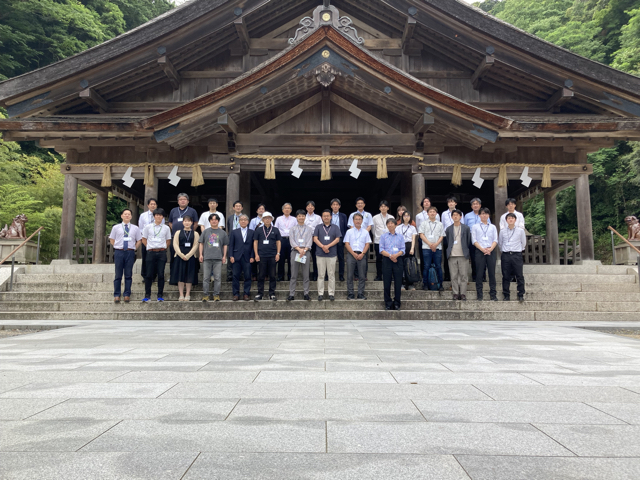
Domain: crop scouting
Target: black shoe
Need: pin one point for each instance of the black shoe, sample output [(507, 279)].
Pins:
[(331, 298), (480, 298), (229, 279), (361, 297), (462, 297), (397, 308), (521, 298), (290, 298), (307, 297), (342, 278), (320, 298), (350, 297), (281, 279), (494, 299), (425, 288), (441, 289), (506, 298), (257, 298), (388, 308), (377, 279)]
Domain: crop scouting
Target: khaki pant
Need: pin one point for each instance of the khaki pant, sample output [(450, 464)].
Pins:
[(459, 268), (327, 264)]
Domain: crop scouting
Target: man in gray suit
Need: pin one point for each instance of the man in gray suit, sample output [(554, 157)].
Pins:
[(459, 236)]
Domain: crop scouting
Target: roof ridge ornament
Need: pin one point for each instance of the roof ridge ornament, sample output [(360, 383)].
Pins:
[(326, 15)]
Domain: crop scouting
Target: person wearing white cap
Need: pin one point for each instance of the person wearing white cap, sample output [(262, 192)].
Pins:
[(267, 243)]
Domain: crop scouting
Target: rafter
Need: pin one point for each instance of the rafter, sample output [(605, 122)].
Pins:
[(482, 71), (170, 71), (407, 35), (98, 103), (358, 112), (558, 99)]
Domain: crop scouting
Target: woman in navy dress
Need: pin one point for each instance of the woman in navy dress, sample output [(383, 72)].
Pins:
[(184, 271)]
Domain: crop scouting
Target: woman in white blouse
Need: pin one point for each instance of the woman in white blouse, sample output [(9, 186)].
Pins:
[(409, 233)]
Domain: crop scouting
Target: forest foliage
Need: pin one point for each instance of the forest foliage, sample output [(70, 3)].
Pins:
[(35, 33)]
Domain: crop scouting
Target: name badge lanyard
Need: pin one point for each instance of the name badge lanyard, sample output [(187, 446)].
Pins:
[(485, 231), (510, 237), (236, 222), (181, 212), (326, 233), (187, 238), (405, 232), (156, 234), (456, 235), (266, 235)]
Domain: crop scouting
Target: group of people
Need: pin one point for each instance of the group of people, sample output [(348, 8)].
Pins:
[(266, 246)]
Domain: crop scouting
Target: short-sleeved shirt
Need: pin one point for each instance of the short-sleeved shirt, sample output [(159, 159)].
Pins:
[(205, 223), (118, 233), (433, 231), (285, 224), (301, 236), (392, 243), (255, 223), (407, 231), (312, 221), (447, 221), (326, 235), (213, 241), (272, 235), (145, 219), (357, 239), (156, 235), (519, 221), (177, 214), (367, 219), (380, 226), (423, 216)]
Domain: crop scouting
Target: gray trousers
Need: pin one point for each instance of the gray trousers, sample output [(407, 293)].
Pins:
[(459, 269), (209, 266), (295, 268), (352, 263)]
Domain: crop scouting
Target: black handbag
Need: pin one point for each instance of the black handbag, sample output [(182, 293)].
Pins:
[(411, 270)]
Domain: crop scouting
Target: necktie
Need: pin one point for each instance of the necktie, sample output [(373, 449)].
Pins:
[(125, 245), (244, 235), (236, 224)]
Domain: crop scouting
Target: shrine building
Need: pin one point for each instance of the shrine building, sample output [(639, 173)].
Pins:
[(422, 93)]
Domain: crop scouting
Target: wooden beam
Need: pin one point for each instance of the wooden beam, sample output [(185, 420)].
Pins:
[(481, 71), (424, 124), (170, 71), (212, 74), (305, 140), (289, 114), (440, 74), (227, 123), (326, 111), (407, 35), (98, 103), (558, 99), (243, 34), (358, 112)]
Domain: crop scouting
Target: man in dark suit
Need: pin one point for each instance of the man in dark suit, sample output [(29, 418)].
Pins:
[(241, 256), (339, 219)]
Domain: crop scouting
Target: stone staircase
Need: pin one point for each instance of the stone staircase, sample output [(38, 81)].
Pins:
[(84, 292)]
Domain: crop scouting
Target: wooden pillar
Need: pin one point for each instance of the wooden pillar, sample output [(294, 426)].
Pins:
[(585, 228), (233, 192), (151, 192), (68, 223), (418, 188), (500, 194), (553, 240), (133, 206), (100, 227), (245, 192), (406, 197)]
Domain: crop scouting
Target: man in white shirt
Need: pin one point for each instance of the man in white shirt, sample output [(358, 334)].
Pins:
[(156, 237), (512, 241), (125, 238), (203, 223), (511, 208), (312, 221), (367, 224), (285, 223), (432, 234), (423, 216), (379, 229), (485, 238), (145, 219), (357, 242)]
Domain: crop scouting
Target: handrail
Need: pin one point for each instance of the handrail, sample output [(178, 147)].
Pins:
[(630, 244), (21, 245)]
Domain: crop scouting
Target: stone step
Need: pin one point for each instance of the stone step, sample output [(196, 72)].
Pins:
[(138, 286), (171, 294), (340, 304), (310, 314)]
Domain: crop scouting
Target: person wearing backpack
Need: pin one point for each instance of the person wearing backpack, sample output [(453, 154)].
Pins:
[(459, 236), (432, 234), (409, 233)]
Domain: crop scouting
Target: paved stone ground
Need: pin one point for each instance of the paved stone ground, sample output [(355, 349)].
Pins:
[(320, 400)]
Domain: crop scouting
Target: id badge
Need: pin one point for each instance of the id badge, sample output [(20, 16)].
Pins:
[(301, 240), (431, 237), (455, 242), (327, 237), (180, 219), (485, 238), (265, 242), (395, 249), (126, 239), (216, 244), (187, 244)]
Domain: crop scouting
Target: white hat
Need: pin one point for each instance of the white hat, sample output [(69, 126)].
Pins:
[(267, 214)]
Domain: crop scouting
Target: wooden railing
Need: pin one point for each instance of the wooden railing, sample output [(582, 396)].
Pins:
[(536, 252)]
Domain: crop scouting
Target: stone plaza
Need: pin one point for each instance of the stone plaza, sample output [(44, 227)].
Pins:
[(319, 400)]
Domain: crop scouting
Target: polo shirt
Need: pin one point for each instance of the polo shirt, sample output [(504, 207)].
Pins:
[(263, 233), (178, 213), (156, 235), (326, 235)]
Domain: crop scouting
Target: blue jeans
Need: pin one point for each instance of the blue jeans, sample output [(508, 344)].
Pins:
[(124, 265), (429, 258)]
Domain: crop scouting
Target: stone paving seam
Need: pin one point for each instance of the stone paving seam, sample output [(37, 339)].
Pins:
[(191, 465), (126, 373), (231, 411), (455, 455), (48, 408), (556, 441), (607, 413), (176, 384)]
